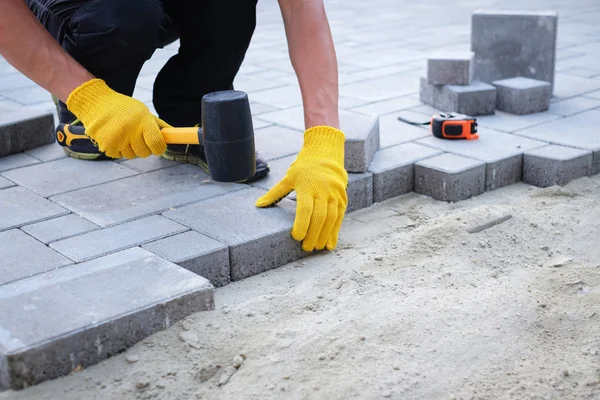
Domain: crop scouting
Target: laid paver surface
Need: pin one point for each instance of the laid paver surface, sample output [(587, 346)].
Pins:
[(74, 211)]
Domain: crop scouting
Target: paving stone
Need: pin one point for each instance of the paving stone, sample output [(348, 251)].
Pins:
[(4, 183), (383, 88), (59, 228), (566, 86), (16, 161), (505, 122), (579, 131), (384, 71), (98, 243), (475, 99), (281, 97), (48, 179), (428, 92), (276, 142), (362, 140), (22, 256), (512, 43), (360, 191), (15, 81), (138, 196), (197, 253), (49, 152), (387, 106), (149, 164), (24, 129), (259, 239), (292, 118), (19, 206), (393, 132), (556, 165), (82, 314), (393, 169), (573, 105), (501, 152), (260, 108), (522, 95), (253, 85), (449, 177), (450, 68), (32, 95), (594, 95)]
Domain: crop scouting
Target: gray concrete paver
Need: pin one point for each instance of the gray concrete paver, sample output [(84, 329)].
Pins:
[(20, 206)]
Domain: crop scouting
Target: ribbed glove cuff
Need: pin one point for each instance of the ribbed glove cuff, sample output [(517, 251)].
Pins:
[(86, 98), (324, 141)]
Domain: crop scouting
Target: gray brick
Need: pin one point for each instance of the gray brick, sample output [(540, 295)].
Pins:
[(566, 86), (149, 164), (276, 142), (360, 191), (281, 97), (24, 129), (49, 152), (197, 253), (22, 256), (28, 96), (556, 165), (109, 240), (292, 118), (15, 81), (428, 92), (362, 140), (508, 44), (259, 239), (573, 105), (383, 88), (393, 169), (579, 131), (450, 68), (449, 177), (48, 179), (59, 228), (387, 106), (138, 196), (522, 96), (16, 161), (505, 122), (502, 153), (393, 132), (19, 206), (84, 314), (278, 168), (475, 99), (4, 183)]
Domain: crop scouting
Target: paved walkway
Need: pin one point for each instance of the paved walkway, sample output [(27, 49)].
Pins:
[(58, 215)]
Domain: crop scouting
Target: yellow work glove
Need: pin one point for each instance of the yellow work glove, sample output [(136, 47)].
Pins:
[(320, 181), (120, 125)]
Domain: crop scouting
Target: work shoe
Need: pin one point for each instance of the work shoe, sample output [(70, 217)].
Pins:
[(82, 149), (194, 154)]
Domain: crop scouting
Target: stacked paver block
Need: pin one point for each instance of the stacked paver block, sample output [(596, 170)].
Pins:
[(82, 314), (450, 69), (475, 99), (522, 95), (393, 169), (24, 129), (449, 177), (259, 239), (197, 253), (362, 140), (509, 44), (556, 165)]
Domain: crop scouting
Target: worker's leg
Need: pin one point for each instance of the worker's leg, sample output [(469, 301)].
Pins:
[(214, 37), (110, 38)]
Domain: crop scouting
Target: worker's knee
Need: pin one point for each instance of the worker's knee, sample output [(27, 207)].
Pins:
[(116, 32)]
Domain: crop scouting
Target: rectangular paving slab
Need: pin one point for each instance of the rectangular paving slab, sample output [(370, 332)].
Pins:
[(109, 240), (501, 152), (24, 129), (360, 191), (82, 314), (59, 228), (48, 179), (393, 169), (19, 206), (475, 99), (579, 131), (23, 256), (277, 142), (514, 43), (362, 140), (522, 95), (449, 177), (138, 196), (4, 183), (195, 252), (451, 68), (393, 132), (259, 239), (556, 165), (16, 161)]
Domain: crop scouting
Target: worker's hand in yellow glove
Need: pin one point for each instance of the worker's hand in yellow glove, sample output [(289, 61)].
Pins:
[(120, 125), (320, 181)]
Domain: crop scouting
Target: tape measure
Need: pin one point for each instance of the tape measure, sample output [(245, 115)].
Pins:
[(450, 126)]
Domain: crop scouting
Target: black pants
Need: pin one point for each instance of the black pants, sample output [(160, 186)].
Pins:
[(113, 38)]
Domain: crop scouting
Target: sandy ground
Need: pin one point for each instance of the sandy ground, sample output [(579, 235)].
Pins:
[(410, 306)]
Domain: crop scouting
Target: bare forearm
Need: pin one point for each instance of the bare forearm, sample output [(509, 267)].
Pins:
[(314, 60), (28, 47)]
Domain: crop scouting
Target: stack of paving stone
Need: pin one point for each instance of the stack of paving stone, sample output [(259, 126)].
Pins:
[(510, 66)]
